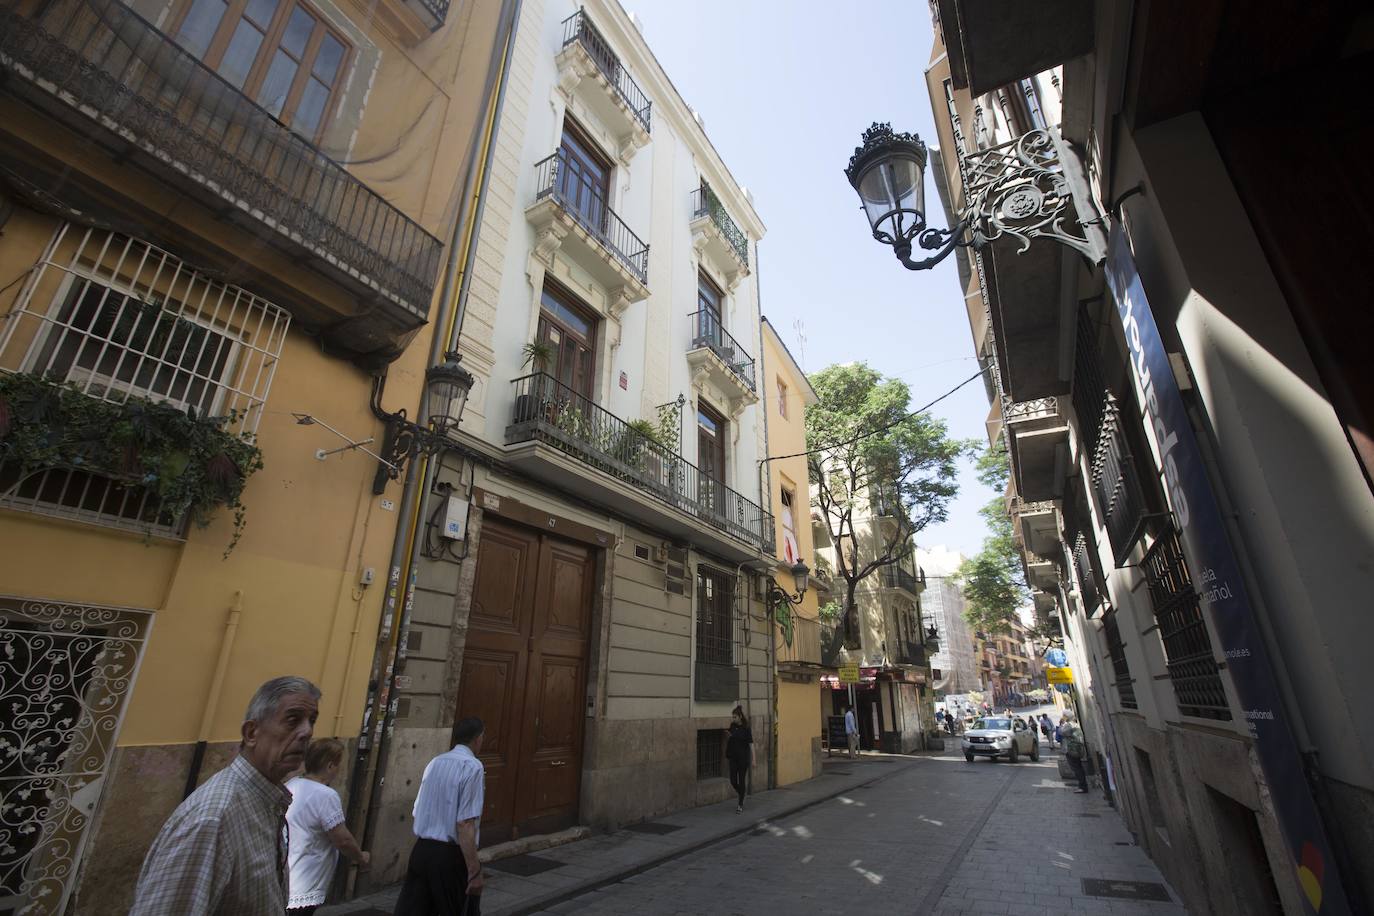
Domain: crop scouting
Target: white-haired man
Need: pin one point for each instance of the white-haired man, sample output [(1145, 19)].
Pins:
[(1075, 749), (223, 851)]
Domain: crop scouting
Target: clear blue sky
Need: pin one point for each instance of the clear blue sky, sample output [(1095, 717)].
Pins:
[(785, 88)]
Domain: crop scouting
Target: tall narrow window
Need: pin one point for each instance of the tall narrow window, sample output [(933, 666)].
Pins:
[(279, 53), (791, 552), (715, 616), (708, 321), (782, 399), (584, 182), (570, 335), (711, 427)]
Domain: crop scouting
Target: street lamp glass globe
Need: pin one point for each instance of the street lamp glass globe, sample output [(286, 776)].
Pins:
[(888, 173), (801, 577), (446, 393)]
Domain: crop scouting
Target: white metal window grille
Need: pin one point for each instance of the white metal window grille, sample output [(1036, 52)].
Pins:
[(66, 674), (119, 318)]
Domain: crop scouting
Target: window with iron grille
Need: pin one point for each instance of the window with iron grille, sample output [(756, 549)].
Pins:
[(1187, 644), (118, 318), (715, 616), (1125, 684), (1116, 481), (710, 753), (1087, 575), (1090, 390)]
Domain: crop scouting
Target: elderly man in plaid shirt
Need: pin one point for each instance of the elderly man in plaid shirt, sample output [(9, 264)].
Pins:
[(223, 850)]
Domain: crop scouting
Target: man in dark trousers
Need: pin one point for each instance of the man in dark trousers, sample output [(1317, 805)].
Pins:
[(444, 877)]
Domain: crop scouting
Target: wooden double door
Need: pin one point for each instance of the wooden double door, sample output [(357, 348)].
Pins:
[(525, 675)]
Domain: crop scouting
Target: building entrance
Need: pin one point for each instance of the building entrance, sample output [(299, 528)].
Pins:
[(525, 673)]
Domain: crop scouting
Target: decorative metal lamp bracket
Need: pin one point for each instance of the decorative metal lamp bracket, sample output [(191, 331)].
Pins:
[(1029, 188)]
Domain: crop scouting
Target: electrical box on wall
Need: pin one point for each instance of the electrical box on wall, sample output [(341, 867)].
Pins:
[(456, 519)]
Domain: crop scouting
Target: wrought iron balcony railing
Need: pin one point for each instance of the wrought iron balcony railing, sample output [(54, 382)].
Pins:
[(885, 503), (896, 577), (117, 72), (438, 9), (1034, 409), (805, 647), (706, 203), (586, 203), (549, 411), (832, 643), (579, 28), (707, 331)]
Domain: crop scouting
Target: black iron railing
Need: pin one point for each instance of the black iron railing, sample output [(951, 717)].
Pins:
[(885, 503), (115, 70), (706, 203), (579, 28), (547, 410), (1125, 684), (1187, 644), (707, 331), (1087, 575), (909, 653), (1090, 392), (1116, 479), (896, 577), (438, 9), (585, 202), (832, 643)]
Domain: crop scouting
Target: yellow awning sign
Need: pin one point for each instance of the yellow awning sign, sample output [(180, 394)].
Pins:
[(849, 674), (1058, 675)]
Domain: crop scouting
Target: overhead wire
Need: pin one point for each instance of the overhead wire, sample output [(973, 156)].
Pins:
[(885, 427)]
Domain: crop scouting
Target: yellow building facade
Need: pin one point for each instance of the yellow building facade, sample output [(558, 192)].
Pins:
[(244, 213), (787, 393)]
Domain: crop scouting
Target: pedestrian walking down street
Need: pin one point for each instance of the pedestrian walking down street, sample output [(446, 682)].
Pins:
[(739, 753), (318, 832), (444, 876), (1075, 749), (851, 732), (1045, 728), (223, 851)]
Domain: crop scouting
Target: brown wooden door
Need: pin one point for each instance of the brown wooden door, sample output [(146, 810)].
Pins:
[(524, 674), (711, 458)]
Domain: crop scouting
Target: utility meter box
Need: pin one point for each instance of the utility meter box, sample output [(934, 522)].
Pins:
[(456, 519)]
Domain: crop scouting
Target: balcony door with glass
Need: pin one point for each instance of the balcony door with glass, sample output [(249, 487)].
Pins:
[(711, 431), (570, 336), (584, 180), (708, 329), (279, 53)]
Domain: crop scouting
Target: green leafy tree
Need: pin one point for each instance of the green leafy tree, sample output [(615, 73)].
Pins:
[(867, 443), (993, 581)]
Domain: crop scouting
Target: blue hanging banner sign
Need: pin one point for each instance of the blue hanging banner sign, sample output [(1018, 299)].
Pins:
[(1222, 590)]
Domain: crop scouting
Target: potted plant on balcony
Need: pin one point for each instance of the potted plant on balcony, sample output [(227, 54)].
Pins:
[(538, 354)]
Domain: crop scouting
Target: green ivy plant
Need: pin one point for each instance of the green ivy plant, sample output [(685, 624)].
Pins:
[(190, 462)]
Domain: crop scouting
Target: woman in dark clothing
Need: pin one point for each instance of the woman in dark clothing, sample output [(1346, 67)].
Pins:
[(739, 752)]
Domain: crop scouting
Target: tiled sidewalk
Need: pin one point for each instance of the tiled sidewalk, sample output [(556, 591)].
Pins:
[(606, 858), (1045, 851)]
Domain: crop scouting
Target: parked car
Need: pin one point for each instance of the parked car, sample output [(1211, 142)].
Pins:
[(999, 736)]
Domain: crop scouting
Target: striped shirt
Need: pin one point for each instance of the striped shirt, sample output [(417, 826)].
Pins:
[(222, 852), (451, 790)]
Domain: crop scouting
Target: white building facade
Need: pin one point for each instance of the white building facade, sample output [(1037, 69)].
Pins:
[(942, 606), (603, 612)]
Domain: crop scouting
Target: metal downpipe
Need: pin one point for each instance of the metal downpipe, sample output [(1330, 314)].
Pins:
[(391, 658)]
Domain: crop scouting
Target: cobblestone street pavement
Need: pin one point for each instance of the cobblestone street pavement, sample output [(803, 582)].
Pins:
[(940, 836)]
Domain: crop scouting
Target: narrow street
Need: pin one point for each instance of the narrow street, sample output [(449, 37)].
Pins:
[(939, 836)]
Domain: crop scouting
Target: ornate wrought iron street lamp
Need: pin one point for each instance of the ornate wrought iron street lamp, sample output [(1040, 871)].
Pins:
[(888, 171), (801, 577), (1029, 187), (447, 386)]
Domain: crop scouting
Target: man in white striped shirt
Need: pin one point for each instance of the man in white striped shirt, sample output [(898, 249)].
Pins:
[(444, 872)]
